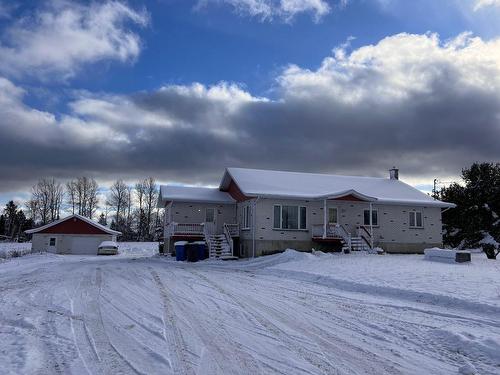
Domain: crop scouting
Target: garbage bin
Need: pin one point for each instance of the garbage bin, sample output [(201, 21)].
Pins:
[(191, 252), (201, 247), (180, 250)]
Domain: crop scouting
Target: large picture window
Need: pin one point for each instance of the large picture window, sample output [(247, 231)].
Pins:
[(416, 219), (290, 217), (366, 215)]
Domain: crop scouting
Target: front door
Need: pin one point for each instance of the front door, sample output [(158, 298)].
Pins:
[(210, 218)]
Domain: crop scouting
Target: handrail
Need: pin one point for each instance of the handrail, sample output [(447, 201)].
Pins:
[(229, 238), (340, 231), (365, 235)]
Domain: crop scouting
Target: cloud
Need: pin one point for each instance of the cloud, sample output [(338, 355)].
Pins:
[(271, 9), (58, 39), (429, 106), (480, 4)]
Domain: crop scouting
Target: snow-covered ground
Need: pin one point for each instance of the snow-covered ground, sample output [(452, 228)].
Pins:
[(290, 313)]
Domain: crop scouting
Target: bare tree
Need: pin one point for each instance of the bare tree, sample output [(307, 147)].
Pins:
[(140, 193), (82, 196), (47, 196), (118, 201), (151, 196)]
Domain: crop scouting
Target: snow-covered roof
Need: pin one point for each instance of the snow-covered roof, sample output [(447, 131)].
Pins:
[(87, 220), (268, 183), (192, 194)]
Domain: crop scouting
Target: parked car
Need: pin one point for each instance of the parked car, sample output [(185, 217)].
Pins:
[(107, 248)]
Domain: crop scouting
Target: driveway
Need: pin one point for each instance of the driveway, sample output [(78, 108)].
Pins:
[(150, 315)]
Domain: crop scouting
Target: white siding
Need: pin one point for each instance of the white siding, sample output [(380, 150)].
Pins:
[(70, 243)]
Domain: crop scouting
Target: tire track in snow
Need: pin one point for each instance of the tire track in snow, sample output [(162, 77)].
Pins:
[(216, 342), (91, 337), (171, 333), (50, 346), (320, 361)]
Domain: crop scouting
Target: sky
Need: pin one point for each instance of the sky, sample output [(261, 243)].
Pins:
[(180, 89)]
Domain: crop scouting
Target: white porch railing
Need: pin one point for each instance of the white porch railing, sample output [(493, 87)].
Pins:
[(182, 229), (233, 229), (333, 231)]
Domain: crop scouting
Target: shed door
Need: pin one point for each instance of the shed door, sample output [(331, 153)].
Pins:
[(52, 247), (85, 245)]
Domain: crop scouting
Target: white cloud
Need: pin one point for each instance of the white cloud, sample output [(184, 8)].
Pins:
[(399, 67), (271, 9), (63, 36), (480, 4)]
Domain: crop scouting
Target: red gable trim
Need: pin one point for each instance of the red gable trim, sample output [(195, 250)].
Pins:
[(348, 197), (235, 192), (73, 226)]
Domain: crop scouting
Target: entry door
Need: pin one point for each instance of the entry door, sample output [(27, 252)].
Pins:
[(210, 217)]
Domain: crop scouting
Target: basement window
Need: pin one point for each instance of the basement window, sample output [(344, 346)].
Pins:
[(52, 241)]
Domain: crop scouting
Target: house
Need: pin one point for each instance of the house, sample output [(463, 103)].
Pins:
[(74, 234), (255, 212)]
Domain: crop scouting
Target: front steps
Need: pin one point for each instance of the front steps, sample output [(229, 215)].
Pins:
[(218, 246), (357, 244)]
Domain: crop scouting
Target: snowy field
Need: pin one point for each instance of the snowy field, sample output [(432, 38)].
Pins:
[(290, 313)]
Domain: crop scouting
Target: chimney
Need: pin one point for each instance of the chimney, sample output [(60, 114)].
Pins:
[(394, 173)]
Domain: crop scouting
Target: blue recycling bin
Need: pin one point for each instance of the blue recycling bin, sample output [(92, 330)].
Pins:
[(201, 248), (180, 250)]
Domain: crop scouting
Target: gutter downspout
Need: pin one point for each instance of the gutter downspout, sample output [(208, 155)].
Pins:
[(254, 223), (371, 225), (324, 218)]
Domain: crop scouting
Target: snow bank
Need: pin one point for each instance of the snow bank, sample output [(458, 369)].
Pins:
[(138, 248), (473, 286), (14, 249)]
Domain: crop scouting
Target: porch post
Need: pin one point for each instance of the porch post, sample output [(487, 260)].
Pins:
[(371, 225), (324, 218)]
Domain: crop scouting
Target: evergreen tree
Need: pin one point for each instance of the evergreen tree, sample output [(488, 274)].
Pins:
[(102, 219), (2, 225), (475, 221), (10, 212)]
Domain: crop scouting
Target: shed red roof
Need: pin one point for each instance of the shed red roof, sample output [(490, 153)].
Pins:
[(74, 224)]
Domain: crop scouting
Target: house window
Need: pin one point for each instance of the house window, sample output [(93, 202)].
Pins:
[(366, 215), (52, 241), (290, 217), (210, 215), (333, 215), (246, 217), (416, 219)]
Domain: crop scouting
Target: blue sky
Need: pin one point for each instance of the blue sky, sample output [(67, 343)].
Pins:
[(118, 89)]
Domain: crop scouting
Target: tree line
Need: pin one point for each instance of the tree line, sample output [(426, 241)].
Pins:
[(129, 209)]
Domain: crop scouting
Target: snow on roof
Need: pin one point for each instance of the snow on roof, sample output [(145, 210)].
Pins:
[(87, 220), (258, 182), (193, 194)]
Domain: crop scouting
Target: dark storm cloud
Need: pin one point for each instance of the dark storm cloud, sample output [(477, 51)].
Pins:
[(430, 116)]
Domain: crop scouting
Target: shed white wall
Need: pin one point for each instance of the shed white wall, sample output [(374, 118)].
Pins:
[(65, 242)]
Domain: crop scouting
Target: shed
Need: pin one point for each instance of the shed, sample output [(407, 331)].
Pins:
[(74, 234)]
